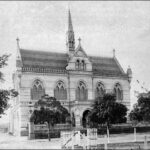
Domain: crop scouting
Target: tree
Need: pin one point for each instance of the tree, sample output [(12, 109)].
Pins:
[(5, 94), (141, 110), (4, 98), (49, 110), (106, 110), (3, 62)]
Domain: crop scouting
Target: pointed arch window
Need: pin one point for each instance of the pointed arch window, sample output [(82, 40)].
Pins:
[(60, 92), (81, 92), (83, 66), (37, 90), (118, 92), (80, 64), (77, 64), (100, 90)]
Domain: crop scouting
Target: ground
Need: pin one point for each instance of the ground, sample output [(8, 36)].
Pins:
[(12, 142)]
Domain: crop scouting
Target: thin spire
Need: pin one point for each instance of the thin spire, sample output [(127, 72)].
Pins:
[(18, 49), (79, 39), (114, 51), (70, 35), (70, 27), (17, 39)]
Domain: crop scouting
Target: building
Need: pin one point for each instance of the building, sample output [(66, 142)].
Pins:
[(74, 78)]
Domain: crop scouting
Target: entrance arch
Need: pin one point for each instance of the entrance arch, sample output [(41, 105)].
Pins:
[(85, 119)]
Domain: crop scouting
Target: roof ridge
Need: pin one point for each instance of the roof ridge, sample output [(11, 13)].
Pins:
[(40, 51), (100, 56)]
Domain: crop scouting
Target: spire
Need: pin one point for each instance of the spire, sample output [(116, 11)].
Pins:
[(79, 39), (18, 49), (70, 35), (70, 27), (18, 56), (114, 51)]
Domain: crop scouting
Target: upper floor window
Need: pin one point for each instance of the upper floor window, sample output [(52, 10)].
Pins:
[(100, 90), (81, 92), (80, 65), (77, 64), (60, 92), (118, 91), (37, 90)]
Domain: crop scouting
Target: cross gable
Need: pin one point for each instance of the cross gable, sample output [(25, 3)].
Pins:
[(80, 52)]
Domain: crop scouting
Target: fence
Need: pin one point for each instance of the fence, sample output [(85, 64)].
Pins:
[(41, 131), (77, 140)]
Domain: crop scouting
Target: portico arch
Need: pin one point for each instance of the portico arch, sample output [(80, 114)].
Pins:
[(85, 119)]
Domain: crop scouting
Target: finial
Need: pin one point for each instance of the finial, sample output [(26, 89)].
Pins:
[(79, 39), (18, 42), (114, 52)]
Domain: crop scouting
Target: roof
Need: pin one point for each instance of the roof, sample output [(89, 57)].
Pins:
[(107, 66), (103, 66), (43, 59)]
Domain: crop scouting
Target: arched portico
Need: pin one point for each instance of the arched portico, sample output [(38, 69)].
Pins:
[(85, 119)]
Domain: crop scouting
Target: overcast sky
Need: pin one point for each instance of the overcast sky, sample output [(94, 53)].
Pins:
[(102, 26)]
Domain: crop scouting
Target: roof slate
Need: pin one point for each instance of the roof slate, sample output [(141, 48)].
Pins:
[(102, 66)]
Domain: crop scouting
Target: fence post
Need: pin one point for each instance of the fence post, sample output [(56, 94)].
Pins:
[(105, 144), (31, 131), (145, 143), (108, 134), (134, 134)]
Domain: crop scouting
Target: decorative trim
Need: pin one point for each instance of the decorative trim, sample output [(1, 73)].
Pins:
[(81, 80), (42, 70), (37, 78), (58, 80)]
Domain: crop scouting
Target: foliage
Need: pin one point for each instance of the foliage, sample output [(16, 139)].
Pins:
[(5, 94), (49, 110), (106, 110), (3, 62), (4, 98), (141, 110)]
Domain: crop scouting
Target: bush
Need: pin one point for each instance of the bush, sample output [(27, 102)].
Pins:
[(53, 134), (123, 129)]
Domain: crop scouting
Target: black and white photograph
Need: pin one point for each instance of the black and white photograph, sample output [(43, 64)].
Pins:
[(75, 75)]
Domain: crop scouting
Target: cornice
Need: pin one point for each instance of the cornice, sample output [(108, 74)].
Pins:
[(43, 70)]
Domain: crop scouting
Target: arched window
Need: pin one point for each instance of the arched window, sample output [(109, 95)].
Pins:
[(118, 92), (37, 91), (81, 92), (100, 90), (83, 67), (77, 64), (60, 92)]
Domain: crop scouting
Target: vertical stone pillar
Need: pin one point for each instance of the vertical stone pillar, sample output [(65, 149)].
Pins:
[(77, 116), (31, 130)]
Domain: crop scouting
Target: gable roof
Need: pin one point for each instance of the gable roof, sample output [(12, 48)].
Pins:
[(43, 59), (106, 66), (102, 66), (80, 49)]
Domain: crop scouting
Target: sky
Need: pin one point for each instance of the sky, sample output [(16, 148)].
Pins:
[(102, 26)]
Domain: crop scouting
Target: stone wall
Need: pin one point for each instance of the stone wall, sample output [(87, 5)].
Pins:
[(71, 82)]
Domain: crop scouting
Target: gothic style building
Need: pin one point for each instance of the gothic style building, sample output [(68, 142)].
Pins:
[(74, 78)]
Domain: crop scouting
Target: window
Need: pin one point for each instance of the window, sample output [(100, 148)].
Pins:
[(37, 91), (81, 92), (60, 92), (80, 65), (77, 64), (100, 90), (118, 92)]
